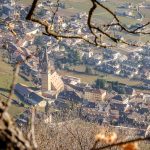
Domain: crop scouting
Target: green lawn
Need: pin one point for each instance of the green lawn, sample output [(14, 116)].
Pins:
[(15, 111), (91, 78), (6, 76)]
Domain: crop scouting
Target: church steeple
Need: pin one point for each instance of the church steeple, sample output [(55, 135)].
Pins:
[(51, 82), (45, 68), (44, 61)]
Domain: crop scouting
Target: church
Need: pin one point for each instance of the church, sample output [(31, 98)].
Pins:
[(51, 82)]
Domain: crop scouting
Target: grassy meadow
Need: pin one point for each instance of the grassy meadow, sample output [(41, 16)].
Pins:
[(6, 77), (91, 78)]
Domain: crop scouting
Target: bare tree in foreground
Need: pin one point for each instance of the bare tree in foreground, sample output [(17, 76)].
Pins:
[(98, 31), (81, 135)]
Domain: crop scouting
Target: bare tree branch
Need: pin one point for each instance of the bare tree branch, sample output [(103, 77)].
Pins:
[(13, 85), (31, 134), (118, 21), (119, 143), (54, 13), (92, 27)]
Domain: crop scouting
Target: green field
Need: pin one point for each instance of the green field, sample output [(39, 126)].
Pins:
[(91, 78), (6, 76)]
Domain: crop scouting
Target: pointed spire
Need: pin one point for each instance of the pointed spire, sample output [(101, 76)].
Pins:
[(44, 61), (45, 56)]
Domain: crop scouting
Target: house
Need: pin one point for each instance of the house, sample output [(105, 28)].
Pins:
[(94, 95), (19, 58), (35, 99), (145, 5), (88, 54), (8, 10), (94, 60), (136, 117), (29, 96), (124, 13), (130, 91), (146, 98), (71, 80), (61, 104), (26, 68), (119, 98), (32, 31), (119, 37), (79, 88), (10, 2), (108, 68), (146, 61), (118, 106), (135, 56), (101, 1), (108, 53), (126, 5), (70, 96), (24, 118), (147, 133), (12, 47), (67, 100), (59, 55), (91, 114), (22, 43), (23, 90), (114, 114)]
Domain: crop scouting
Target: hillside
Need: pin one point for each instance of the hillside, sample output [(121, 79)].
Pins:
[(6, 77)]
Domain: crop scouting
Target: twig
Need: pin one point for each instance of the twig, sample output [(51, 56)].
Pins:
[(120, 143), (54, 13), (15, 75), (31, 134), (118, 21)]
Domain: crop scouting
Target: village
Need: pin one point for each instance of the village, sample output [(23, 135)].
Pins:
[(105, 103)]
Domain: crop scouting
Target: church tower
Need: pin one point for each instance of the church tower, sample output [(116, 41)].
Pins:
[(52, 83), (45, 71)]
